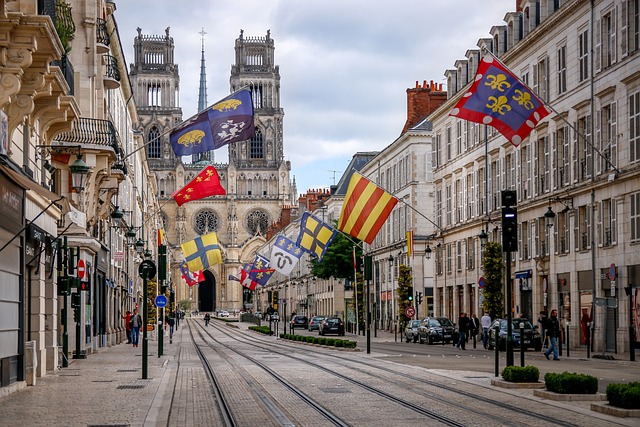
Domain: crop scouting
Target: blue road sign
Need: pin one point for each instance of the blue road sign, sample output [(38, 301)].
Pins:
[(161, 301)]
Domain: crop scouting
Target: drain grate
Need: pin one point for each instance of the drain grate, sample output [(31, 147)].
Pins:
[(130, 387), (108, 425), (335, 390), (127, 370)]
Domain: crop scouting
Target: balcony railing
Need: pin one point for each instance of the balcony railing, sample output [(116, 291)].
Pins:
[(91, 131), (60, 13), (102, 36), (67, 71), (112, 73)]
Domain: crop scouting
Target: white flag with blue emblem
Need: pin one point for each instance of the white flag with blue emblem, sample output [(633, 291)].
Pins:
[(285, 255)]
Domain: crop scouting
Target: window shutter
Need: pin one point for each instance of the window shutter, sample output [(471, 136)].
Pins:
[(533, 238), (614, 42), (599, 230), (566, 179), (614, 215), (556, 242), (576, 230), (624, 28), (536, 168), (520, 240), (554, 159), (576, 163), (598, 143), (589, 215), (614, 135), (598, 50)]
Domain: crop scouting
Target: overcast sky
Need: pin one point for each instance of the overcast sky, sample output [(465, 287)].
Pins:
[(345, 65)]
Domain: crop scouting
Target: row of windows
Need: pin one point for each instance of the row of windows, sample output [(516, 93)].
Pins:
[(206, 221)]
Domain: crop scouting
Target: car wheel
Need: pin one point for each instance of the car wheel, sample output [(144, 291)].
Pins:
[(430, 340), (407, 339)]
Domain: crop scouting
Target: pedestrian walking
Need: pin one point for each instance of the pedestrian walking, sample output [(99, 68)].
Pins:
[(207, 318), (136, 324), (127, 326), (542, 320), (463, 328), (553, 332), (485, 321), (475, 322)]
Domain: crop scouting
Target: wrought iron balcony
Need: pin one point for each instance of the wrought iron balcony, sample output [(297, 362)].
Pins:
[(102, 36), (112, 73), (60, 13), (91, 132), (67, 71)]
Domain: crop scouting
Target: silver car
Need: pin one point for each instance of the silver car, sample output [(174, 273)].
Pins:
[(411, 331)]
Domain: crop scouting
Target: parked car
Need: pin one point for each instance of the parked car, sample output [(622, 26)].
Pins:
[(275, 317), (532, 338), (332, 325), (437, 329), (258, 314), (314, 323), (411, 331), (299, 322), (223, 313)]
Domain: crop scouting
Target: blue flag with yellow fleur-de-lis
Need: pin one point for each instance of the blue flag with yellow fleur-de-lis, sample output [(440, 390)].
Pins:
[(226, 121), (499, 99)]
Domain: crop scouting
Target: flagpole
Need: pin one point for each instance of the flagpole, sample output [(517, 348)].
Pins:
[(355, 282)]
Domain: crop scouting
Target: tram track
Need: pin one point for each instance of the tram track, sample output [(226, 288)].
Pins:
[(468, 401)]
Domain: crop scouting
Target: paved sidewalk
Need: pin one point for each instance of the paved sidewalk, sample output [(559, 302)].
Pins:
[(106, 388)]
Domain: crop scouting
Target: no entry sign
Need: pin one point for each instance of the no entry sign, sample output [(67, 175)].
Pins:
[(82, 270)]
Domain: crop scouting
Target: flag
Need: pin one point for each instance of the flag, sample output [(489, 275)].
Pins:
[(233, 278), (189, 277), (260, 270), (499, 99), (365, 209), (409, 243), (205, 184), (245, 280), (315, 235), (285, 255), (202, 252), (229, 120), (161, 237)]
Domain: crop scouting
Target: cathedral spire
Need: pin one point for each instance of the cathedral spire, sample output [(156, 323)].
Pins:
[(202, 91)]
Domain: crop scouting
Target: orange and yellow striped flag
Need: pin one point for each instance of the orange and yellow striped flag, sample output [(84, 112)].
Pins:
[(366, 207), (410, 243)]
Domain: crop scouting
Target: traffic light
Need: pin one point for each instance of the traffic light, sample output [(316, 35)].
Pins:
[(419, 297), (75, 300), (84, 286), (76, 315), (509, 229), (410, 293)]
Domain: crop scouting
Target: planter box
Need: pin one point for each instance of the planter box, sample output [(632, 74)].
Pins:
[(561, 397), (508, 384), (604, 408)]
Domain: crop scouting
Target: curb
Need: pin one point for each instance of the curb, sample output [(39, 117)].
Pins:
[(510, 385), (605, 408), (561, 397)]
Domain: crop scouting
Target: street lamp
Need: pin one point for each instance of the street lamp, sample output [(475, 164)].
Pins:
[(116, 216), (131, 236), (484, 238), (140, 246), (79, 171), (427, 252)]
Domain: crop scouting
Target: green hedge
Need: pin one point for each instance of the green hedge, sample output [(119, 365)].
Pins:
[(330, 342), (521, 374), (262, 329), (571, 383), (625, 396)]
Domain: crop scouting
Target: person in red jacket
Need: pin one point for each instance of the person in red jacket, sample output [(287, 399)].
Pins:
[(127, 325)]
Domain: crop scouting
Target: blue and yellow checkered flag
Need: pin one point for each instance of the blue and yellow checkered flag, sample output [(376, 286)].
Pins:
[(202, 252), (315, 235)]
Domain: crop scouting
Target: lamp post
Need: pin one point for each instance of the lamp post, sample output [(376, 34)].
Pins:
[(79, 171)]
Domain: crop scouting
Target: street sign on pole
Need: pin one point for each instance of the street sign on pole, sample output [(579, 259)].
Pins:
[(410, 311), (81, 269), (161, 301)]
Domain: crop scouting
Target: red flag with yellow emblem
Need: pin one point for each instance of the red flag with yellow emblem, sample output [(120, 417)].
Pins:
[(206, 184)]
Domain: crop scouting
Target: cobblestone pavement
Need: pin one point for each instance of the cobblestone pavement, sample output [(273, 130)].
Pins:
[(107, 387)]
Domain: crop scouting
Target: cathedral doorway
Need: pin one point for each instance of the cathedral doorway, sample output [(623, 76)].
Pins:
[(207, 293)]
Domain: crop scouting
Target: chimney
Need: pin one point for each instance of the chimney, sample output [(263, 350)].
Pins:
[(422, 101)]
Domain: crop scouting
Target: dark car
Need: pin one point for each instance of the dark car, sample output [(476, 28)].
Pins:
[(437, 329), (532, 338), (332, 325), (314, 323), (299, 322), (411, 331)]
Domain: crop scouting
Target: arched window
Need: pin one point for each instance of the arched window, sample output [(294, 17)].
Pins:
[(257, 221), (256, 146), (206, 222), (154, 150)]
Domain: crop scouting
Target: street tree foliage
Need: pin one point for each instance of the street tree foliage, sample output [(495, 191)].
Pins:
[(337, 261), (492, 266), (360, 284), (405, 289), (185, 305)]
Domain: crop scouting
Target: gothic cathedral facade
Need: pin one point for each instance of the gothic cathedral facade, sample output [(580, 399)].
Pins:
[(256, 178)]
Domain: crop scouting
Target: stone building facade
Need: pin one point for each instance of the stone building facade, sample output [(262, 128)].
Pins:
[(256, 178)]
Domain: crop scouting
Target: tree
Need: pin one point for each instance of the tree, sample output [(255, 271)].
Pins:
[(492, 265), (337, 260), (405, 290)]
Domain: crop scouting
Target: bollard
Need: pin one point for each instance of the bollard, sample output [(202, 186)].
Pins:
[(497, 331), (522, 345), (567, 340), (588, 340)]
